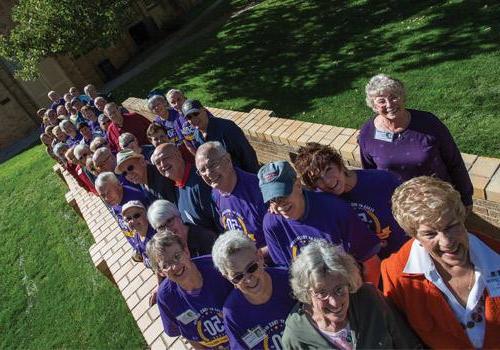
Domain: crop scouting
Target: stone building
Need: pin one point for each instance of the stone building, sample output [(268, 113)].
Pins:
[(19, 100)]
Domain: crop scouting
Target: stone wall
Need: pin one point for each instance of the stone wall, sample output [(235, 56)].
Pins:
[(275, 138)]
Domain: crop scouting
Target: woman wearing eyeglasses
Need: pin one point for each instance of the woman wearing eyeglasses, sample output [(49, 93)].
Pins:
[(408, 142), (255, 311), (336, 310), (191, 296)]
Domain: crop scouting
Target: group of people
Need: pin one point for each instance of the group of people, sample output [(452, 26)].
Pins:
[(307, 254)]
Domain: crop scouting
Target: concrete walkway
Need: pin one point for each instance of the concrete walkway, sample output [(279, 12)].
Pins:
[(20, 146)]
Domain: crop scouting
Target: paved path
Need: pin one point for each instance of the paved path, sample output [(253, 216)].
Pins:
[(20, 146)]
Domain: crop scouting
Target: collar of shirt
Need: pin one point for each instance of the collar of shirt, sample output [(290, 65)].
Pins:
[(185, 178)]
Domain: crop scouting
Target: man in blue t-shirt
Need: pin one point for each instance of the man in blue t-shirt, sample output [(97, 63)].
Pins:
[(300, 216), (235, 192)]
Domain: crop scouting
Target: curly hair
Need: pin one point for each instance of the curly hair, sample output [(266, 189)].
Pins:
[(312, 159), (381, 83)]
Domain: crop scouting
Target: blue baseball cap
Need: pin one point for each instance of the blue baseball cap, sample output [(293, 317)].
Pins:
[(276, 179)]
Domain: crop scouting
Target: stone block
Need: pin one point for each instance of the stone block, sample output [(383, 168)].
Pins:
[(153, 331), (479, 184), (493, 188), (485, 167), (70, 199), (469, 160), (339, 142)]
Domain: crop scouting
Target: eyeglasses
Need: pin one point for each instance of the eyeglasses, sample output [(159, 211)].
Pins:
[(191, 115), (324, 295), (250, 269), (384, 100), (129, 169), (133, 217), (279, 201), (168, 223), (174, 261), (211, 167)]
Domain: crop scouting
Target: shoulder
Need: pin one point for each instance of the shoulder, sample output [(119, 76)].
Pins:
[(367, 127), (426, 119), (395, 264), (378, 175), (233, 303), (324, 199), (295, 319), (165, 290), (271, 220)]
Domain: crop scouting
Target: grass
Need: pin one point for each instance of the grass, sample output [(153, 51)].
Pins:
[(52, 296), (310, 60)]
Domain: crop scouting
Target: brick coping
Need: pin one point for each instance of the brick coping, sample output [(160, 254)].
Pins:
[(262, 125)]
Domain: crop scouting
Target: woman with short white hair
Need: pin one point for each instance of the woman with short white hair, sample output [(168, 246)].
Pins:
[(335, 309), (255, 311)]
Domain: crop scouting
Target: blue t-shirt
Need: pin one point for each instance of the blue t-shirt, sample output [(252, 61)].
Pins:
[(250, 326), (244, 208), (196, 315), (371, 200), (326, 217)]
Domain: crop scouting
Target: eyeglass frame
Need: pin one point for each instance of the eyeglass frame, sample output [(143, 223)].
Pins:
[(216, 164), (338, 292), (251, 268)]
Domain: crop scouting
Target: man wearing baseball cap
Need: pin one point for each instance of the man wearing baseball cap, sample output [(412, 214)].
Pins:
[(135, 169), (300, 216), (210, 128)]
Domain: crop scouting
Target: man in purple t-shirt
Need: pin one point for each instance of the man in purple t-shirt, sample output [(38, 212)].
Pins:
[(235, 192), (303, 216)]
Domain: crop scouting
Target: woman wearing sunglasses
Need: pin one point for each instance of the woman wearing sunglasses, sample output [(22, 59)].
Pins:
[(336, 310), (255, 311), (191, 296)]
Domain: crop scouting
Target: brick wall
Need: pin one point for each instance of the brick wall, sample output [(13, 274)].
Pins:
[(274, 138)]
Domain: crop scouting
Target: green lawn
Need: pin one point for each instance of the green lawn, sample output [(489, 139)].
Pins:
[(310, 60), (51, 294)]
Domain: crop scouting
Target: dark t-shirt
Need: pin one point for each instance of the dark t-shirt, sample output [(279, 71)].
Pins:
[(158, 187), (200, 240)]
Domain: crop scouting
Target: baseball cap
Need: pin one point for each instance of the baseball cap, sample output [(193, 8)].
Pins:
[(124, 155), (133, 204), (276, 179), (191, 106)]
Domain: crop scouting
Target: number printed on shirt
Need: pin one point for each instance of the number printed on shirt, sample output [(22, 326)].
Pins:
[(213, 325)]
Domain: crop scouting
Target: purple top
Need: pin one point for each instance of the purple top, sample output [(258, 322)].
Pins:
[(170, 125), (250, 326), (139, 244), (187, 131), (371, 200), (326, 217), (426, 147), (243, 209), (196, 315), (70, 141)]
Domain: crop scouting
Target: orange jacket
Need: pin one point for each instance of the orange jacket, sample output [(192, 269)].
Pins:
[(427, 310)]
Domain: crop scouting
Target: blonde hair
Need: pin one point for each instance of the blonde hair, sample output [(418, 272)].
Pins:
[(425, 200)]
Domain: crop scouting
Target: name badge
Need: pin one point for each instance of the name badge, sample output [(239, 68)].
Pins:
[(385, 136), (493, 283), (254, 336), (187, 317)]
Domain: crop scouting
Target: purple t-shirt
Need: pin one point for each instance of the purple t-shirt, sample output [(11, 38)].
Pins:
[(250, 326), (196, 315), (187, 131), (326, 217), (70, 141), (139, 244), (426, 147), (244, 208), (170, 126), (371, 200)]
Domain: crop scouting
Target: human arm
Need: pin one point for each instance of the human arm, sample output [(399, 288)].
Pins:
[(240, 149), (367, 161)]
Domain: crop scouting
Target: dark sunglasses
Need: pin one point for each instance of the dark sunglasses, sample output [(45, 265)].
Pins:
[(194, 114), (250, 269), (133, 217), (129, 168)]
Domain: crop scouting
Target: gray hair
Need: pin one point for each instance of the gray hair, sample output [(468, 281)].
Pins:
[(171, 92), (214, 148), (102, 117), (160, 211), (157, 245), (105, 178), (66, 125), (226, 245), (316, 262), (87, 88), (80, 149), (153, 99), (60, 149), (381, 83), (97, 143), (126, 137)]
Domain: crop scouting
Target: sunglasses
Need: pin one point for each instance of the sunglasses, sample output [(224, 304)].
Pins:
[(250, 269), (133, 217), (129, 169), (194, 114), (168, 223)]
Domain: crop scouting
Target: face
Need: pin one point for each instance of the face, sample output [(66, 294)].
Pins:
[(245, 271), (291, 206), (176, 264), (83, 157), (100, 103), (77, 105), (113, 114), (215, 170), (159, 138), (53, 96), (133, 145), (199, 119), (446, 242), (60, 135), (176, 101), (175, 225), (168, 163), (73, 91), (89, 114), (160, 108), (46, 139), (105, 124), (388, 105), (61, 110), (136, 220), (330, 299), (111, 193), (86, 132), (105, 162), (332, 180), (134, 170)]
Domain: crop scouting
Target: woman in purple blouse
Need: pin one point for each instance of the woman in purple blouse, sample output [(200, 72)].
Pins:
[(407, 142)]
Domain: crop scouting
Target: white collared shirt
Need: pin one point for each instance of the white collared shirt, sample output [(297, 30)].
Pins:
[(484, 259)]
